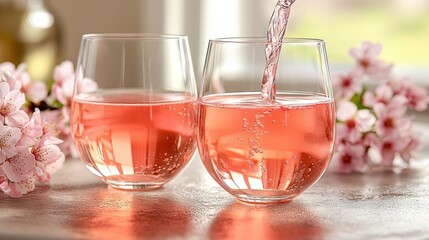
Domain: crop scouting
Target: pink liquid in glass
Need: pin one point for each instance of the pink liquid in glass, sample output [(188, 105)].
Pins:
[(256, 149), (134, 138)]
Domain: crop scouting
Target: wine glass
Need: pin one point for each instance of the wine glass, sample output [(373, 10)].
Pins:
[(258, 151), (137, 130)]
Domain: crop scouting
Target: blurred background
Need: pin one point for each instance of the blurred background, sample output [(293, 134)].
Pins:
[(43, 33)]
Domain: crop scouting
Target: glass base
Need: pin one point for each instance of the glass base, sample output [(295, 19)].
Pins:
[(134, 186), (143, 182), (263, 199)]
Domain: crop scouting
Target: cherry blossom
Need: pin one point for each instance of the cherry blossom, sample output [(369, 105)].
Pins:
[(20, 166), (62, 91), (32, 130), (417, 97), (412, 144), (373, 124), (63, 87), (20, 76), (6, 76), (368, 63), (382, 94), (389, 146), (18, 189), (35, 91), (3, 177), (10, 100), (362, 120), (46, 152), (64, 77), (349, 158), (391, 118), (346, 84), (28, 151), (58, 121), (9, 136)]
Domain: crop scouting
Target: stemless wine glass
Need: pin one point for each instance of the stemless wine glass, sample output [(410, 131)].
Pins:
[(266, 152), (137, 130)]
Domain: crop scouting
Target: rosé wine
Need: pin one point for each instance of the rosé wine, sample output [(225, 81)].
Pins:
[(134, 140), (274, 150), (276, 31)]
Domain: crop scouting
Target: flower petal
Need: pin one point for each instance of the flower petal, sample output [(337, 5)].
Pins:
[(19, 167)]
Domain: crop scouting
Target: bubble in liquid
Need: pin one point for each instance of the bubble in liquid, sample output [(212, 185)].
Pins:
[(267, 112), (258, 122), (251, 163), (251, 153), (172, 167), (240, 138)]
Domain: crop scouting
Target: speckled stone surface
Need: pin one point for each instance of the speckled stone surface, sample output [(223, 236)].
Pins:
[(77, 205)]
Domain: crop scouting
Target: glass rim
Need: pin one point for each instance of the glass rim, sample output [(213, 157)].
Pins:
[(263, 40), (132, 36)]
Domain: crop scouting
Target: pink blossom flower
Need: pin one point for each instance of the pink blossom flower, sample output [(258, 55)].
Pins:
[(3, 177), (346, 85), (346, 110), (10, 100), (388, 147), (6, 76), (383, 94), (368, 62), (17, 119), (349, 158), (412, 143), (20, 166), (31, 130), (20, 76), (58, 121), (18, 189), (346, 134), (372, 126), (362, 120), (369, 139), (63, 71), (7, 67), (35, 91), (391, 117), (9, 136), (46, 153), (64, 77), (418, 98), (63, 87), (28, 146)]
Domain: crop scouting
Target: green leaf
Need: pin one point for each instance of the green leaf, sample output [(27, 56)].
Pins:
[(57, 104)]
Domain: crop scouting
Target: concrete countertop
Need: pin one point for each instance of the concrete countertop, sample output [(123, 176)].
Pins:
[(77, 205)]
